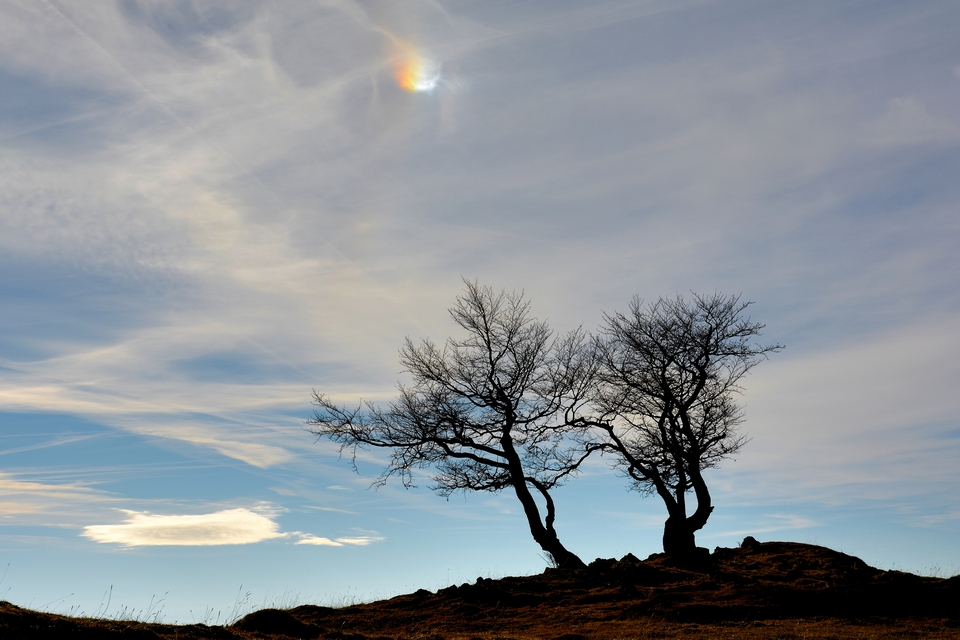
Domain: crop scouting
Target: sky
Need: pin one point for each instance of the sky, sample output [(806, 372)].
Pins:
[(210, 209)]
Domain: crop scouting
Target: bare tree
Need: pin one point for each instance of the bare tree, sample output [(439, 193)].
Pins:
[(669, 375), (491, 411)]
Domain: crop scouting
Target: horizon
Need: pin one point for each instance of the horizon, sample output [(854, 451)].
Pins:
[(209, 212)]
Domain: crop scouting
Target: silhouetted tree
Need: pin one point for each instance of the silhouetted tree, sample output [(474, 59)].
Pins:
[(491, 411), (669, 373)]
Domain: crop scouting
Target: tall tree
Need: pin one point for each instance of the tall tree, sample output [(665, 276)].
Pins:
[(666, 399), (493, 410)]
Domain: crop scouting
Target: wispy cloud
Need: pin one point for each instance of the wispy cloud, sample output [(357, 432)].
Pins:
[(934, 519), (875, 419), (70, 491), (768, 523), (52, 502), (359, 541), (257, 454), (331, 509)]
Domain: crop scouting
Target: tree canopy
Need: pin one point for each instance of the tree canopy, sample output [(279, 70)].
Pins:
[(669, 375), (488, 411)]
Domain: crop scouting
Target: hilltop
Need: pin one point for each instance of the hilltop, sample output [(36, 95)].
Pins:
[(759, 590)]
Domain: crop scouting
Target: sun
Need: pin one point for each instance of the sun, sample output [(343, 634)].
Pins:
[(413, 70)]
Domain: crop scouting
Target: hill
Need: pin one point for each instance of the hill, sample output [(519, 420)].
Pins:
[(759, 590)]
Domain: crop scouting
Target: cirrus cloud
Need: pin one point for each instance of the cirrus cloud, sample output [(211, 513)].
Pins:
[(47, 502)]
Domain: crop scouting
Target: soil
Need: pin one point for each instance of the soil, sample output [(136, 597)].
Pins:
[(781, 590)]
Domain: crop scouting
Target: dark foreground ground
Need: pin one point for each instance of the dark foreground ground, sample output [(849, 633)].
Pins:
[(769, 590)]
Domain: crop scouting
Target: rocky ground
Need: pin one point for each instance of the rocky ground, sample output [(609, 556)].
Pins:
[(760, 590)]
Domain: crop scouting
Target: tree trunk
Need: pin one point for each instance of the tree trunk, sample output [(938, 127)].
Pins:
[(678, 537), (563, 558), (545, 535), (546, 538), (678, 532)]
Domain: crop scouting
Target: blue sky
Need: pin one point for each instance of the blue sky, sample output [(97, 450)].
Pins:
[(208, 209)]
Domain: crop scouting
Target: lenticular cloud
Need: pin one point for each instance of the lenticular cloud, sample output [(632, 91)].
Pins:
[(232, 526)]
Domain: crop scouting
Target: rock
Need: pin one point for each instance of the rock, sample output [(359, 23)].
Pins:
[(749, 543)]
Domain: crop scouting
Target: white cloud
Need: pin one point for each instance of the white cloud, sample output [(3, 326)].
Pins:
[(256, 454), (318, 541), (231, 526), (165, 413), (358, 541), (909, 121), (71, 491), (12, 508), (226, 527), (872, 420), (771, 522), (26, 497), (934, 519)]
